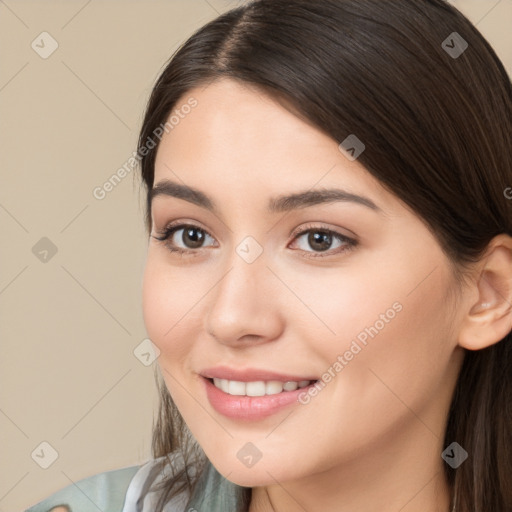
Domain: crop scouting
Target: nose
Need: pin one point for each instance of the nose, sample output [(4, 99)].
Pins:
[(244, 306)]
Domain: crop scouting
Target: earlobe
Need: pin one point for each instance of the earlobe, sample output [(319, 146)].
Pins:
[(489, 318)]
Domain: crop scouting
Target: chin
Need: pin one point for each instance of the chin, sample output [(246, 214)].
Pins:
[(262, 473), (249, 477)]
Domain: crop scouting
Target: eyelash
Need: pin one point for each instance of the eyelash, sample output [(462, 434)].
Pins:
[(169, 230)]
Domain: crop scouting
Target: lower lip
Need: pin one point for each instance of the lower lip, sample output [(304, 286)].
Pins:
[(250, 408)]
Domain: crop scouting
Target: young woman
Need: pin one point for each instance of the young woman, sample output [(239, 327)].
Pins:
[(329, 269)]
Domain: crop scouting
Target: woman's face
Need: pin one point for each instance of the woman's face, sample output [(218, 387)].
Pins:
[(347, 288)]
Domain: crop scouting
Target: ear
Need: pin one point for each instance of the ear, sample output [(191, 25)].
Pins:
[(489, 318)]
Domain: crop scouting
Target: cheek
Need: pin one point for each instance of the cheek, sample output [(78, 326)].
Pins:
[(402, 343), (168, 300), (390, 318), (154, 305), (169, 318), (335, 306)]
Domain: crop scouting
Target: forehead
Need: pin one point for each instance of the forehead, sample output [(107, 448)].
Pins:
[(236, 136), (232, 114)]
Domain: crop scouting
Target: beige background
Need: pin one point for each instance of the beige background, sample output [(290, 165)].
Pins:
[(70, 325)]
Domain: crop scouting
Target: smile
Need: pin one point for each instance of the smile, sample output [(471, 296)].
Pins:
[(253, 400), (259, 387)]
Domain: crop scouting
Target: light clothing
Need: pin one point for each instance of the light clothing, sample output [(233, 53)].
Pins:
[(121, 490), (103, 492)]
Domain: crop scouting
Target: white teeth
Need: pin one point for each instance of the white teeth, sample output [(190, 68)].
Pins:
[(290, 385), (273, 387), (236, 388), (257, 388)]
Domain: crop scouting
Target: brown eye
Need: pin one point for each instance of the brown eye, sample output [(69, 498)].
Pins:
[(315, 240), (183, 238), (319, 240), (192, 237)]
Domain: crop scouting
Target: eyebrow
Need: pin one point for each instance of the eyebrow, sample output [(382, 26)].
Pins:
[(283, 203)]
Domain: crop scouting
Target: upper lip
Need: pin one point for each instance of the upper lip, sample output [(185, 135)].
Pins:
[(251, 374)]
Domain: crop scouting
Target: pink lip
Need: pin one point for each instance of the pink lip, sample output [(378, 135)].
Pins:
[(251, 375), (251, 408)]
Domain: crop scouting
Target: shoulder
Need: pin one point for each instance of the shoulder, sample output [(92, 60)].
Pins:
[(152, 479), (139, 488), (103, 491), (130, 489)]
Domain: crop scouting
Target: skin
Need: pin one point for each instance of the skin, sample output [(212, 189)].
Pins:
[(372, 438)]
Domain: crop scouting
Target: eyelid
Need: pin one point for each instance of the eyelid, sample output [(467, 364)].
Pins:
[(349, 242), (181, 223), (321, 226), (171, 228)]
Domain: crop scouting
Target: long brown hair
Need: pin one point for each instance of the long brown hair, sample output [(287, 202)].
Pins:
[(436, 118)]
